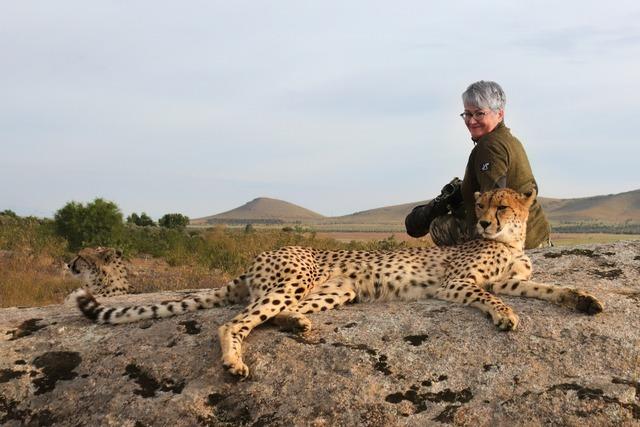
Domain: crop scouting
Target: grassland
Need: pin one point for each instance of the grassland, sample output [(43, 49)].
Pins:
[(32, 256)]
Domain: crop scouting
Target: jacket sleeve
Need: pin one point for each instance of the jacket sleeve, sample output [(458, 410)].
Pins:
[(492, 165)]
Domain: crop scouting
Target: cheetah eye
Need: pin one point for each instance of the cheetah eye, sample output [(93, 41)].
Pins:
[(500, 208), (480, 206)]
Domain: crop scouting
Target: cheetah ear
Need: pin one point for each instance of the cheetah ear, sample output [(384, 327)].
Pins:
[(529, 197), (477, 195), (108, 254), (119, 253)]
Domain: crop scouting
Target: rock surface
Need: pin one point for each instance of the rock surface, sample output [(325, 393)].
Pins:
[(384, 364)]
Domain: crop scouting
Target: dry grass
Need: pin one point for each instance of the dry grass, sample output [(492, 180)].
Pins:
[(27, 280), (153, 275), (571, 239)]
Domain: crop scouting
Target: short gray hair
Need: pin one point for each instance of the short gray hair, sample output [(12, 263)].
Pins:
[(484, 94)]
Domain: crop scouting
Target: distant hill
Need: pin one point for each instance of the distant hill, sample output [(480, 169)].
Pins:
[(263, 210), (385, 215), (610, 209)]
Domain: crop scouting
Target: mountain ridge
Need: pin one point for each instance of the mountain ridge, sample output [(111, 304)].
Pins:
[(610, 208)]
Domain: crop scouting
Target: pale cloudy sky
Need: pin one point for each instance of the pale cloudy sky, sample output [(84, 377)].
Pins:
[(338, 106)]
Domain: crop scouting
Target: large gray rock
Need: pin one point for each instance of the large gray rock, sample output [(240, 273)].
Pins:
[(417, 363)]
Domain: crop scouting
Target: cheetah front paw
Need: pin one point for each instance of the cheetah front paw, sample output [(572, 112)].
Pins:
[(588, 303), (506, 321), (236, 367)]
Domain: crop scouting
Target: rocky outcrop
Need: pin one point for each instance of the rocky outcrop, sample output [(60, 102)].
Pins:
[(418, 363)]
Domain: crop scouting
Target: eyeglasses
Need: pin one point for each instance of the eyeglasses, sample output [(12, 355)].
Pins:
[(478, 115)]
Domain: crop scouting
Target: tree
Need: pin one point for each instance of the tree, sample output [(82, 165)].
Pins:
[(134, 218), (174, 220), (98, 223), (142, 220), (146, 221)]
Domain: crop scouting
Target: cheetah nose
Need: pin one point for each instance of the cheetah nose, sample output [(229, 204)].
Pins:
[(484, 224)]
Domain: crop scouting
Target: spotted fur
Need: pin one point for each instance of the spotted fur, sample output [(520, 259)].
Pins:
[(287, 284), (101, 271)]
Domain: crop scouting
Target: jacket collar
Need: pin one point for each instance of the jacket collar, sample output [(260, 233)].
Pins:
[(499, 128)]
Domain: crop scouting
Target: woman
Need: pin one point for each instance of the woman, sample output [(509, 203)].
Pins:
[(497, 160)]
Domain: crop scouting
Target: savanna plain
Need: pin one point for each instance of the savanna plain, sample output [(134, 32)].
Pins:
[(33, 256)]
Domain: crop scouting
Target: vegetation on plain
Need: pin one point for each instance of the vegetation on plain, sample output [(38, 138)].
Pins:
[(33, 250)]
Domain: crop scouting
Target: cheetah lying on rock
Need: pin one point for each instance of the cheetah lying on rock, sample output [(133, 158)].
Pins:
[(287, 284)]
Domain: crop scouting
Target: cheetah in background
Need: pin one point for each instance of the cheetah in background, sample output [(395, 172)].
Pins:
[(101, 271), (285, 285)]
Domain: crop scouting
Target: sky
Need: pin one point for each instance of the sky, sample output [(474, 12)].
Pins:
[(198, 107)]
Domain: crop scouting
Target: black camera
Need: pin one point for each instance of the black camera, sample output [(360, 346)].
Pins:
[(450, 198)]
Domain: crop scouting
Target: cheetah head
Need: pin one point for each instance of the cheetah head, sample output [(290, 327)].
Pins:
[(502, 215), (89, 262)]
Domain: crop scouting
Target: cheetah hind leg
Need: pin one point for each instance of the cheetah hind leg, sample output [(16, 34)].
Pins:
[(331, 294), (326, 296), (292, 321)]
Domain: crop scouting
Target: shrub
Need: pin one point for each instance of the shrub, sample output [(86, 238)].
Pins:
[(142, 220), (99, 223), (174, 220)]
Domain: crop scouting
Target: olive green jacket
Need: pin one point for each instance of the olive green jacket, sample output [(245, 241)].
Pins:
[(498, 160)]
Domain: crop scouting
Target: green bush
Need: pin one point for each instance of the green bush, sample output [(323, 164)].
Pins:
[(174, 220), (99, 223), (142, 220)]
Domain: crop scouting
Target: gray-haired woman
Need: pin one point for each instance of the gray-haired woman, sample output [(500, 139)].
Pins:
[(497, 160)]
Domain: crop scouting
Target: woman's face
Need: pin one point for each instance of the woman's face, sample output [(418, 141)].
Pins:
[(480, 126)]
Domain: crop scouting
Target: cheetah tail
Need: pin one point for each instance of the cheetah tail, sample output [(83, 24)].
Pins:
[(99, 313)]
